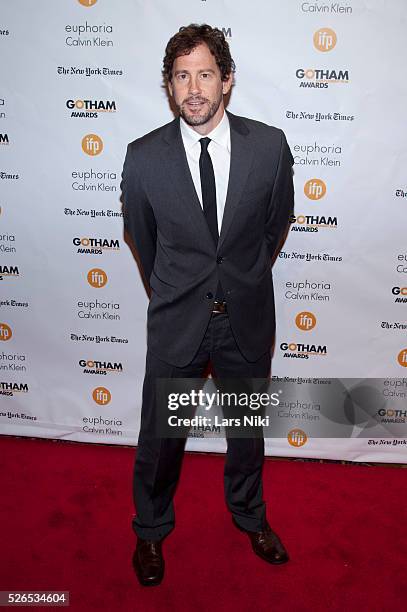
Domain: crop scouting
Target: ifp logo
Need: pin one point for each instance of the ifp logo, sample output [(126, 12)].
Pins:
[(315, 189), (101, 396), (325, 39), (5, 332), (92, 144), (305, 321), (87, 3), (97, 278), (297, 437), (402, 358)]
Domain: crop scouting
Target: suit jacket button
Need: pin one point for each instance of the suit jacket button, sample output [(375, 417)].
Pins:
[(209, 295), (219, 260)]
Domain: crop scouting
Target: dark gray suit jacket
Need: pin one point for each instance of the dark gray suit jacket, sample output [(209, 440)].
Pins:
[(164, 218)]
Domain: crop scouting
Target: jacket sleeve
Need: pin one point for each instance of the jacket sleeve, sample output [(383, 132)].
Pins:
[(281, 203), (139, 219)]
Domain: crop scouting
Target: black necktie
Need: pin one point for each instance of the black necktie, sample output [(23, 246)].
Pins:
[(208, 187)]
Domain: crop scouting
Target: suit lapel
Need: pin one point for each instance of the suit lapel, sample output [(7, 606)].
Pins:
[(241, 157), (179, 175)]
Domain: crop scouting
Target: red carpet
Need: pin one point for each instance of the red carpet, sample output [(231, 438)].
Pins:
[(65, 525)]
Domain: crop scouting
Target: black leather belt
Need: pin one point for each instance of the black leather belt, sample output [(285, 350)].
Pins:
[(219, 307)]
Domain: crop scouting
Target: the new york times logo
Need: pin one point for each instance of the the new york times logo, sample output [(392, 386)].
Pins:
[(89, 71)]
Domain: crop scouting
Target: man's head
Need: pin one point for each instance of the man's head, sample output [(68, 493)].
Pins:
[(198, 70)]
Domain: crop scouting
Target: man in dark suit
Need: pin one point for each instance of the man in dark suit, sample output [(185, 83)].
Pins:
[(207, 200)]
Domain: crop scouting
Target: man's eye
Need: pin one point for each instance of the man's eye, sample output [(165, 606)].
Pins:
[(205, 75), (182, 77)]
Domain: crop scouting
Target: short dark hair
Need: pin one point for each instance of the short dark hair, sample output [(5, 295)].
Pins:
[(189, 37)]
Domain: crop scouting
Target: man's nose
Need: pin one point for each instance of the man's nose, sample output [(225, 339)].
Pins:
[(194, 85)]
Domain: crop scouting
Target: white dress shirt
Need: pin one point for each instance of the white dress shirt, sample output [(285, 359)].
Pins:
[(219, 151)]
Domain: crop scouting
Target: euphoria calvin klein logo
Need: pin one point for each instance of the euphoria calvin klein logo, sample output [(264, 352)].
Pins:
[(97, 278), (101, 396), (87, 3), (5, 332), (324, 39), (402, 358), (305, 321), (92, 144), (315, 189), (297, 437), (335, 8)]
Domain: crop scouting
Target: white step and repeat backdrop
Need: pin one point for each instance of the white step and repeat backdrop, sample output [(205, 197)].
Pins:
[(82, 78)]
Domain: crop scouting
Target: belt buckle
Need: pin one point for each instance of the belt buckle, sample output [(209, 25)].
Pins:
[(219, 307)]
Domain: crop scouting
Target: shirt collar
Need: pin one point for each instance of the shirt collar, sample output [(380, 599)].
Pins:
[(220, 134)]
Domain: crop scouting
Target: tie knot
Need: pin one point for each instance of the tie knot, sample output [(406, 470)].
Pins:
[(204, 144)]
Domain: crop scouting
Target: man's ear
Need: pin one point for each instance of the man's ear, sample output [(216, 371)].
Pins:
[(226, 85)]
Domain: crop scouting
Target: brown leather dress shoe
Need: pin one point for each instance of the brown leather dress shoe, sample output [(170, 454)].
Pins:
[(266, 544), (148, 562)]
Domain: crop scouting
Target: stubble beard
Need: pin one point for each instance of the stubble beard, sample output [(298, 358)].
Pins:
[(200, 119)]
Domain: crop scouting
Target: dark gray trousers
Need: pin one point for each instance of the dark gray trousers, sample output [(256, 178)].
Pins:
[(158, 460)]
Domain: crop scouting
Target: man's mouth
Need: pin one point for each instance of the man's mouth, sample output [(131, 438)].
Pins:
[(195, 104)]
